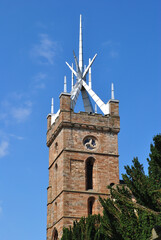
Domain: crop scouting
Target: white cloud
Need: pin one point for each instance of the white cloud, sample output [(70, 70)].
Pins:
[(45, 51), (1, 209), (39, 80), (40, 25), (15, 107), (114, 54), (107, 43), (110, 43), (113, 48), (40, 86), (3, 116), (28, 103), (16, 137), (16, 96), (21, 114), (4, 148), (40, 76)]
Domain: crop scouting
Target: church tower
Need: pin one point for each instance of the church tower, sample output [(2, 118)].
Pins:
[(83, 151)]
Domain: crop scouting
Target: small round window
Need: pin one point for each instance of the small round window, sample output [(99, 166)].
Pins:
[(90, 143)]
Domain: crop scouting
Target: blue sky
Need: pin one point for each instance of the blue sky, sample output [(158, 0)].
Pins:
[(37, 37)]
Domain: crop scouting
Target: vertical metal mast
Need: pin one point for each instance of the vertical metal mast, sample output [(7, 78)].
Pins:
[(112, 91), (72, 78), (65, 84), (80, 46), (90, 79), (81, 85), (52, 106)]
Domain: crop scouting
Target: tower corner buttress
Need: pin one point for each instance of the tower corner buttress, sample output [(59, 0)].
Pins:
[(65, 101)]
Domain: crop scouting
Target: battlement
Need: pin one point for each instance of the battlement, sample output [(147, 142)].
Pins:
[(67, 118)]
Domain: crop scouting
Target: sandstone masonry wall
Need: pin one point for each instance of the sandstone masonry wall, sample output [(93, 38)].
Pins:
[(68, 155)]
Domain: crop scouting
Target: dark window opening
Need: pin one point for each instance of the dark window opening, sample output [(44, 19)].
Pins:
[(112, 184), (56, 146), (90, 205), (89, 173), (54, 234), (56, 166)]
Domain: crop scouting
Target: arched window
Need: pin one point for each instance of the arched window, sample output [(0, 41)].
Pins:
[(90, 205), (56, 166), (112, 184), (89, 173), (54, 234), (55, 213), (56, 146), (55, 178)]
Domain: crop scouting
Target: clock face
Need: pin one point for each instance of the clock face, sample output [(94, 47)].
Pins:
[(90, 143)]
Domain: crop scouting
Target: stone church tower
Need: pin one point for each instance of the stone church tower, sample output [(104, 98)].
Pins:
[(83, 152)]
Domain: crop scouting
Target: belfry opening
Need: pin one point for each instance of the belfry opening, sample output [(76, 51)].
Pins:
[(89, 173)]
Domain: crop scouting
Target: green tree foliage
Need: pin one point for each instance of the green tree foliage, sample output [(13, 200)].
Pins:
[(146, 189), (85, 229), (123, 218), (154, 161), (132, 210)]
